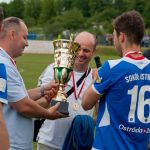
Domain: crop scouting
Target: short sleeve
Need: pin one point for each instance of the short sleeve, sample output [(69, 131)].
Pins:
[(3, 84), (16, 88)]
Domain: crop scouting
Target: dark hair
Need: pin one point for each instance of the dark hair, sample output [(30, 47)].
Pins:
[(1, 14), (130, 23), (146, 53)]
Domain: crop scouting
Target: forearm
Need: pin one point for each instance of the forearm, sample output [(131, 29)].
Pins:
[(43, 102), (90, 98), (35, 93), (95, 111), (29, 108)]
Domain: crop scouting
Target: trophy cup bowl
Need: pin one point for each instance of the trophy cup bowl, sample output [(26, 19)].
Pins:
[(65, 52)]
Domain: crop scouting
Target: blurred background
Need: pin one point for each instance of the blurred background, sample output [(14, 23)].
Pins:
[(48, 20), (52, 19)]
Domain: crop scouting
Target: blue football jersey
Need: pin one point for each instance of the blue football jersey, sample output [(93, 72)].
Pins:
[(123, 121), (3, 84)]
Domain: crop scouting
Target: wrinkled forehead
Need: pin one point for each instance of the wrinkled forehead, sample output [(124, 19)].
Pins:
[(85, 40)]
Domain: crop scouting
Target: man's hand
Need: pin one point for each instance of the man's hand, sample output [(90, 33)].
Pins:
[(50, 90), (55, 114), (94, 73)]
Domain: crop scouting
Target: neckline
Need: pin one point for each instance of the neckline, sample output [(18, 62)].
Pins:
[(132, 52), (129, 55), (8, 56)]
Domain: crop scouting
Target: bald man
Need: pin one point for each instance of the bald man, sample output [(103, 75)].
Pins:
[(52, 134)]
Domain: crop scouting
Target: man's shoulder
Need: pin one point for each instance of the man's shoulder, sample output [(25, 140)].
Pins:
[(113, 63)]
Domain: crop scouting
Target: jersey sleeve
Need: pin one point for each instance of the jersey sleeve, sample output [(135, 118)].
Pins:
[(16, 88), (3, 84), (103, 80)]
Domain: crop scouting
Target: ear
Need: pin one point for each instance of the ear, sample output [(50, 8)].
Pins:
[(122, 37), (12, 34), (94, 51)]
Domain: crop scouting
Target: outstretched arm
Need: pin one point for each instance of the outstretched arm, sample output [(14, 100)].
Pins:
[(30, 108)]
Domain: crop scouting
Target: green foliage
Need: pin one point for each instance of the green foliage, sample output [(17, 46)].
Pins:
[(47, 11), (59, 6), (96, 6), (14, 8), (32, 12), (83, 6), (146, 15), (54, 28), (92, 15), (72, 19), (139, 5)]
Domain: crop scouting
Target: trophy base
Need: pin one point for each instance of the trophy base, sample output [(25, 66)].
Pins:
[(63, 108)]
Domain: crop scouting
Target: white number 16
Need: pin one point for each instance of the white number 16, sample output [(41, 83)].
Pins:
[(138, 99)]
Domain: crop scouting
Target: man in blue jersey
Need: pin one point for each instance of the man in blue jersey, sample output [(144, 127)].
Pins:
[(122, 88), (3, 98)]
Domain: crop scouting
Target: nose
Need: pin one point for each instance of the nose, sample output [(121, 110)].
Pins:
[(26, 43), (80, 53)]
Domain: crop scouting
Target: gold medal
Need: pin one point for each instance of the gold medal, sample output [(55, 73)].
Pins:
[(75, 106)]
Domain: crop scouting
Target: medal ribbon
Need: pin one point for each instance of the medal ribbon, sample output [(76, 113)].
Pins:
[(13, 62), (11, 59), (75, 86)]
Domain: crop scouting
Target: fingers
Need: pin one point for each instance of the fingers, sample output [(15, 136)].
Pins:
[(55, 113), (50, 94), (94, 73), (51, 85)]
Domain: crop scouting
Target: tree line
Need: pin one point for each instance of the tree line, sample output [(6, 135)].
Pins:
[(55, 16)]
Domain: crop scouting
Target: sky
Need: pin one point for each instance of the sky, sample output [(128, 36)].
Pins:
[(6, 1)]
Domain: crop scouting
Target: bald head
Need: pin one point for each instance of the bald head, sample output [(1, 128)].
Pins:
[(86, 36), (87, 43)]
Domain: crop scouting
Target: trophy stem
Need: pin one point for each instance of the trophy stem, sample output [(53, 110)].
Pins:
[(60, 94), (60, 97)]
